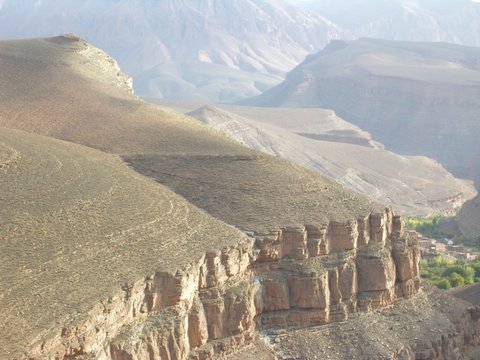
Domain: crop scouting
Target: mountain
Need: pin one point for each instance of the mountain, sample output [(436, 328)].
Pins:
[(98, 261), (468, 219), (454, 21), (208, 50), (414, 97), (321, 141), (226, 50)]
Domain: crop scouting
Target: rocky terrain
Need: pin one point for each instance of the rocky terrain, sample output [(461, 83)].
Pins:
[(227, 247), (408, 330), (369, 82), (321, 141)]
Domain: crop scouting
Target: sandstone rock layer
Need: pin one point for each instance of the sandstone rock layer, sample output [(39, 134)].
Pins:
[(292, 278)]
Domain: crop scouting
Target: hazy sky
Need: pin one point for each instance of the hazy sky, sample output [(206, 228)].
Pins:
[(291, 1)]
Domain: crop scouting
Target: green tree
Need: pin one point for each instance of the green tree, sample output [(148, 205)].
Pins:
[(466, 272), (456, 279), (444, 284)]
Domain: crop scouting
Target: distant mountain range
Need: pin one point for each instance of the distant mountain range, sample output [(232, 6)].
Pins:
[(207, 50), (416, 98), (226, 50), (455, 21)]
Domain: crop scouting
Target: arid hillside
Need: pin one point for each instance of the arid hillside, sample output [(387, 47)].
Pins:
[(102, 262), (79, 230), (468, 219), (100, 111), (416, 98), (65, 88), (319, 140)]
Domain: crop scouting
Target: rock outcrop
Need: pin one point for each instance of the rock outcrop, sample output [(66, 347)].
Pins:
[(293, 278), (431, 325)]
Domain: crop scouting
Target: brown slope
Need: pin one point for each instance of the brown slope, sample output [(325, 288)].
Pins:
[(468, 219), (320, 141), (77, 225), (63, 87), (468, 293)]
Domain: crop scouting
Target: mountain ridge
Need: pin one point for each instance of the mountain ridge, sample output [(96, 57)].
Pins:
[(456, 21), (173, 48), (368, 82), (321, 141)]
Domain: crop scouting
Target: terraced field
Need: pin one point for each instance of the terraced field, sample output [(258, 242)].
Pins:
[(77, 225)]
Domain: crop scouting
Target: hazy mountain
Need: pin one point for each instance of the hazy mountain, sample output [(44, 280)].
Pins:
[(225, 50), (456, 21), (209, 50), (416, 98), (321, 141)]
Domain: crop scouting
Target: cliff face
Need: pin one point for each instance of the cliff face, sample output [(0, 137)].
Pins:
[(290, 279), (431, 325)]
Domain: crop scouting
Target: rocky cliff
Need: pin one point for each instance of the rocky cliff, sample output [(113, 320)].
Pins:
[(293, 278), (286, 281)]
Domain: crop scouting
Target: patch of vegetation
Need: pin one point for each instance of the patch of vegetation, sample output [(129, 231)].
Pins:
[(427, 226), (446, 273), (431, 227)]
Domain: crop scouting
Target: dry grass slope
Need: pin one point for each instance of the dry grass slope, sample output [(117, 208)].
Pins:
[(320, 141), (76, 225), (67, 89), (256, 192)]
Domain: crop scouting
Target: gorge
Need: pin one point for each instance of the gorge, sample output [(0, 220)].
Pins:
[(130, 231)]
